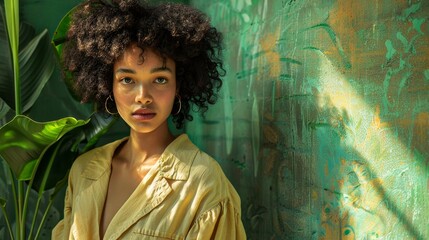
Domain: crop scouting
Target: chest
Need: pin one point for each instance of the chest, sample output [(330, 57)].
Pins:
[(120, 188), (122, 184), (127, 208)]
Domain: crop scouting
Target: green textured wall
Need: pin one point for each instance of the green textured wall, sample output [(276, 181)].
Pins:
[(323, 125)]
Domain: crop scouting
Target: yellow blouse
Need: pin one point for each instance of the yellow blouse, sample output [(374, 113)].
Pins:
[(184, 196)]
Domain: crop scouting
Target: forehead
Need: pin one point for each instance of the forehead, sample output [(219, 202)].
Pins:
[(134, 55)]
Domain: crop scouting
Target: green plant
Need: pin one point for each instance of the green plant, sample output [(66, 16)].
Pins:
[(37, 155)]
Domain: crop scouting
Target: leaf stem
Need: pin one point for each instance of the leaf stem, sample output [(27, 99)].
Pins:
[(25, 206), (7, 222), (42, 189), (12, 22), (15, 198), (33, 222), (20, 222), (59, 185), (42, 222)]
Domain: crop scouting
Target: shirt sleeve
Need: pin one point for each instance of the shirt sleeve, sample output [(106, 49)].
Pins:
[(220, 222), (62, 230)]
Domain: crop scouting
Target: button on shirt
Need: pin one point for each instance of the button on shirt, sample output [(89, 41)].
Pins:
[(185, 195)]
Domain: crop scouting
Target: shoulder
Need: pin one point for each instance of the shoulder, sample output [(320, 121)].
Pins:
[(207, 175), (219, 201), (206, 167), (191, 162), (210, 175), (94, 161)]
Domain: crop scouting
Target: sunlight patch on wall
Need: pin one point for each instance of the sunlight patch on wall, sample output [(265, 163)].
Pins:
[(383, 193)]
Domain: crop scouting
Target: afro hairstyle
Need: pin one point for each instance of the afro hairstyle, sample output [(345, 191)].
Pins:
[(101, 30)]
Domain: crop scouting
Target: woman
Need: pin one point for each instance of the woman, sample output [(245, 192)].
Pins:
[(146, 64)]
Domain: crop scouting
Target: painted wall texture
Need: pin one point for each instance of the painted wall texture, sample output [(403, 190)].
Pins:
[(323, 123)]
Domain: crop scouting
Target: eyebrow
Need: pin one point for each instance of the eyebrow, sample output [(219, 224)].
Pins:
[(160, 69), (153, 70), (125, 70)]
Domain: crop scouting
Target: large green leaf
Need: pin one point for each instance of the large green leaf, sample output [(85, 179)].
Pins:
[(23, 141), (58, 40), (60, 34), (2, 202), (36, 61), (60, 156), (4, 109), (100, 123), (45, 151), (5, 64), (26, 34), (56, 161)]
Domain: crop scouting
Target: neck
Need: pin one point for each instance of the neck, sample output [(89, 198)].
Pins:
[(144, 146)]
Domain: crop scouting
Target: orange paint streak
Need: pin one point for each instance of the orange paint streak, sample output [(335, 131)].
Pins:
[(344, 19), (360, 25), (268, 45), (377, 122)]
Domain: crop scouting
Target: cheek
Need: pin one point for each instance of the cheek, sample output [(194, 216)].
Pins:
[(172, 97), (165, 95), (167, 100), (122, 100)]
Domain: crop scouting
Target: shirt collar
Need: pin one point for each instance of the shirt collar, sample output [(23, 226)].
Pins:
[(100, 160), (175, 163), (177, 159)]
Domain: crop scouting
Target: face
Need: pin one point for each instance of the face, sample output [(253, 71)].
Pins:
[(144, 89)]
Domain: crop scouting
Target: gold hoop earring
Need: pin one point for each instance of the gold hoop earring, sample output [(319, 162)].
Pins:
[(105, 105), (180, 104)]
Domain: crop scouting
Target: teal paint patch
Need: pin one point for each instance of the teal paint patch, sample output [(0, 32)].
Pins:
[(327, 210), (243, 75), (285, 77), (290, 60), (390, 50), (420, 159), (401, 66), (403, 40), (417, 24), (412, 9), (404, 81), (313, 48), (426, 73), (386, 84)]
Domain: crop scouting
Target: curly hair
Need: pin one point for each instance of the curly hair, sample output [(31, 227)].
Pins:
[(100, 31)]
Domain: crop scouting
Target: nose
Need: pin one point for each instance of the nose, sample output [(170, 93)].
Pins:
[(143, 95)]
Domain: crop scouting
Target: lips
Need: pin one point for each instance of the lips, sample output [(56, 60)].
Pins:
[(143, 114)]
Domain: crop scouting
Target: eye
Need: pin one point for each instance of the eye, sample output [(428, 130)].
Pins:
[(161, 80), (126, 80)]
